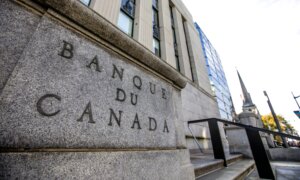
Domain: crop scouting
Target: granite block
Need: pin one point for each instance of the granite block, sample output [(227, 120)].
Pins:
[(69, 92), (95, 165), (238, 141), (16, 28)]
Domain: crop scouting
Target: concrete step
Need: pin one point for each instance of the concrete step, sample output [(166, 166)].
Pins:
[(235, 171), (232, 158), (282, 170), (205, 163), (286, 169)]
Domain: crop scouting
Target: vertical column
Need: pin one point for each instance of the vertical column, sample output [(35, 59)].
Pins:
[(166, 39), (198, 59), (108, 9), (190, 33), (181, 42), (143, 23)]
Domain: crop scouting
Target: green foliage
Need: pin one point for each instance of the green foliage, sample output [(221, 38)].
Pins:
[(268, 120), (286, 127)]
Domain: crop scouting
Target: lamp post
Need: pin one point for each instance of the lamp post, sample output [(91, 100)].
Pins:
[(275, 119), (297, 112), (295, 97)]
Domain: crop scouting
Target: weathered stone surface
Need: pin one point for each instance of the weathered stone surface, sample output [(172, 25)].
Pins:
[(16, 28), (238, 141), (68, 92), (64, 94), (286, 172), (285, 154), (197, 104), (94, 165)]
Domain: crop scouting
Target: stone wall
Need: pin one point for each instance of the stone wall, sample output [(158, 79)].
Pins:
[(197, 104), (79, 99)]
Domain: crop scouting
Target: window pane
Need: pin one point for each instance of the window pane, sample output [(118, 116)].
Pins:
[(155, 24), (129, 7), (125, 23), (156, 48), (177, 63), (155, 3), (86, 2)]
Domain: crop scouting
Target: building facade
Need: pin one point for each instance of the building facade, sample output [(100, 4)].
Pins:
[(217, 77), (101, 89), (166, 28)]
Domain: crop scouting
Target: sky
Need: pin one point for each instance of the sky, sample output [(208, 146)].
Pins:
[(260, 39)]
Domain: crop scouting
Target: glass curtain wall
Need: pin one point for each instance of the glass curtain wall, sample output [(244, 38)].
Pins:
[(217, 76)]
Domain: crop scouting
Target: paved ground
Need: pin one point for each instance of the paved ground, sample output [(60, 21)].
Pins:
[(287, 170), (283, 171)]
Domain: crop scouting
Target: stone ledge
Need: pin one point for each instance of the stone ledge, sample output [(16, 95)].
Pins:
[(285, 154), (94, 165), (95, 23)]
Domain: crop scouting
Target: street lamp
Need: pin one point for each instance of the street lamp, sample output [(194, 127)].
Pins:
[(275, 119), (295, 97), (297, 112)]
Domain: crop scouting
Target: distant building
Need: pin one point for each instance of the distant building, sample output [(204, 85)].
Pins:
[(217, 77)]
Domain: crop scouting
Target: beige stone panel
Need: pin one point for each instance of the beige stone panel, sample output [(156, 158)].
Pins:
[(142, 31), (197, 58), (166, 37), (198, 105), (187, 27), (108, 9), (182, 46), (183, 10)]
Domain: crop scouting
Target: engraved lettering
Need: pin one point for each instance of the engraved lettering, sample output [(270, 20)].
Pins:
[(163, 95), (137, 82), (166, 127), (121, 95), (152, 124), (88, 111), (133, 102), (152, 88), (67, 50), (113, 115), (40, 102), (96, 63), (136, 121), (116, 70)]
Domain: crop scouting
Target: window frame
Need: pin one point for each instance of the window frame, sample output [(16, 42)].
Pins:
[(129, 15), (155, 27), (89, 3)]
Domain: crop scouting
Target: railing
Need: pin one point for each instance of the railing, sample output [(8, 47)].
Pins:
[(258, 151)]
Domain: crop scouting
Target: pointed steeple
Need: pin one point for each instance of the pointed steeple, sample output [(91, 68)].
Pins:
[(247, 98)]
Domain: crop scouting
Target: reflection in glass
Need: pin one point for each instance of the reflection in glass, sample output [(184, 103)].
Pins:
[(156, 48), (125, 23), (216, 76), (155, 28), (86, 2), (128, 7)]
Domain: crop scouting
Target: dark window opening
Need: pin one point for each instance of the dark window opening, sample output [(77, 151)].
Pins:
[(155, 28)]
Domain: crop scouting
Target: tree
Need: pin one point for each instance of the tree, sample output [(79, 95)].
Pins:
[(286, 127), (268, 120)]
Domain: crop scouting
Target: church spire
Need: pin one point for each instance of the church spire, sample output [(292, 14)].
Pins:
[(247, 98)]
